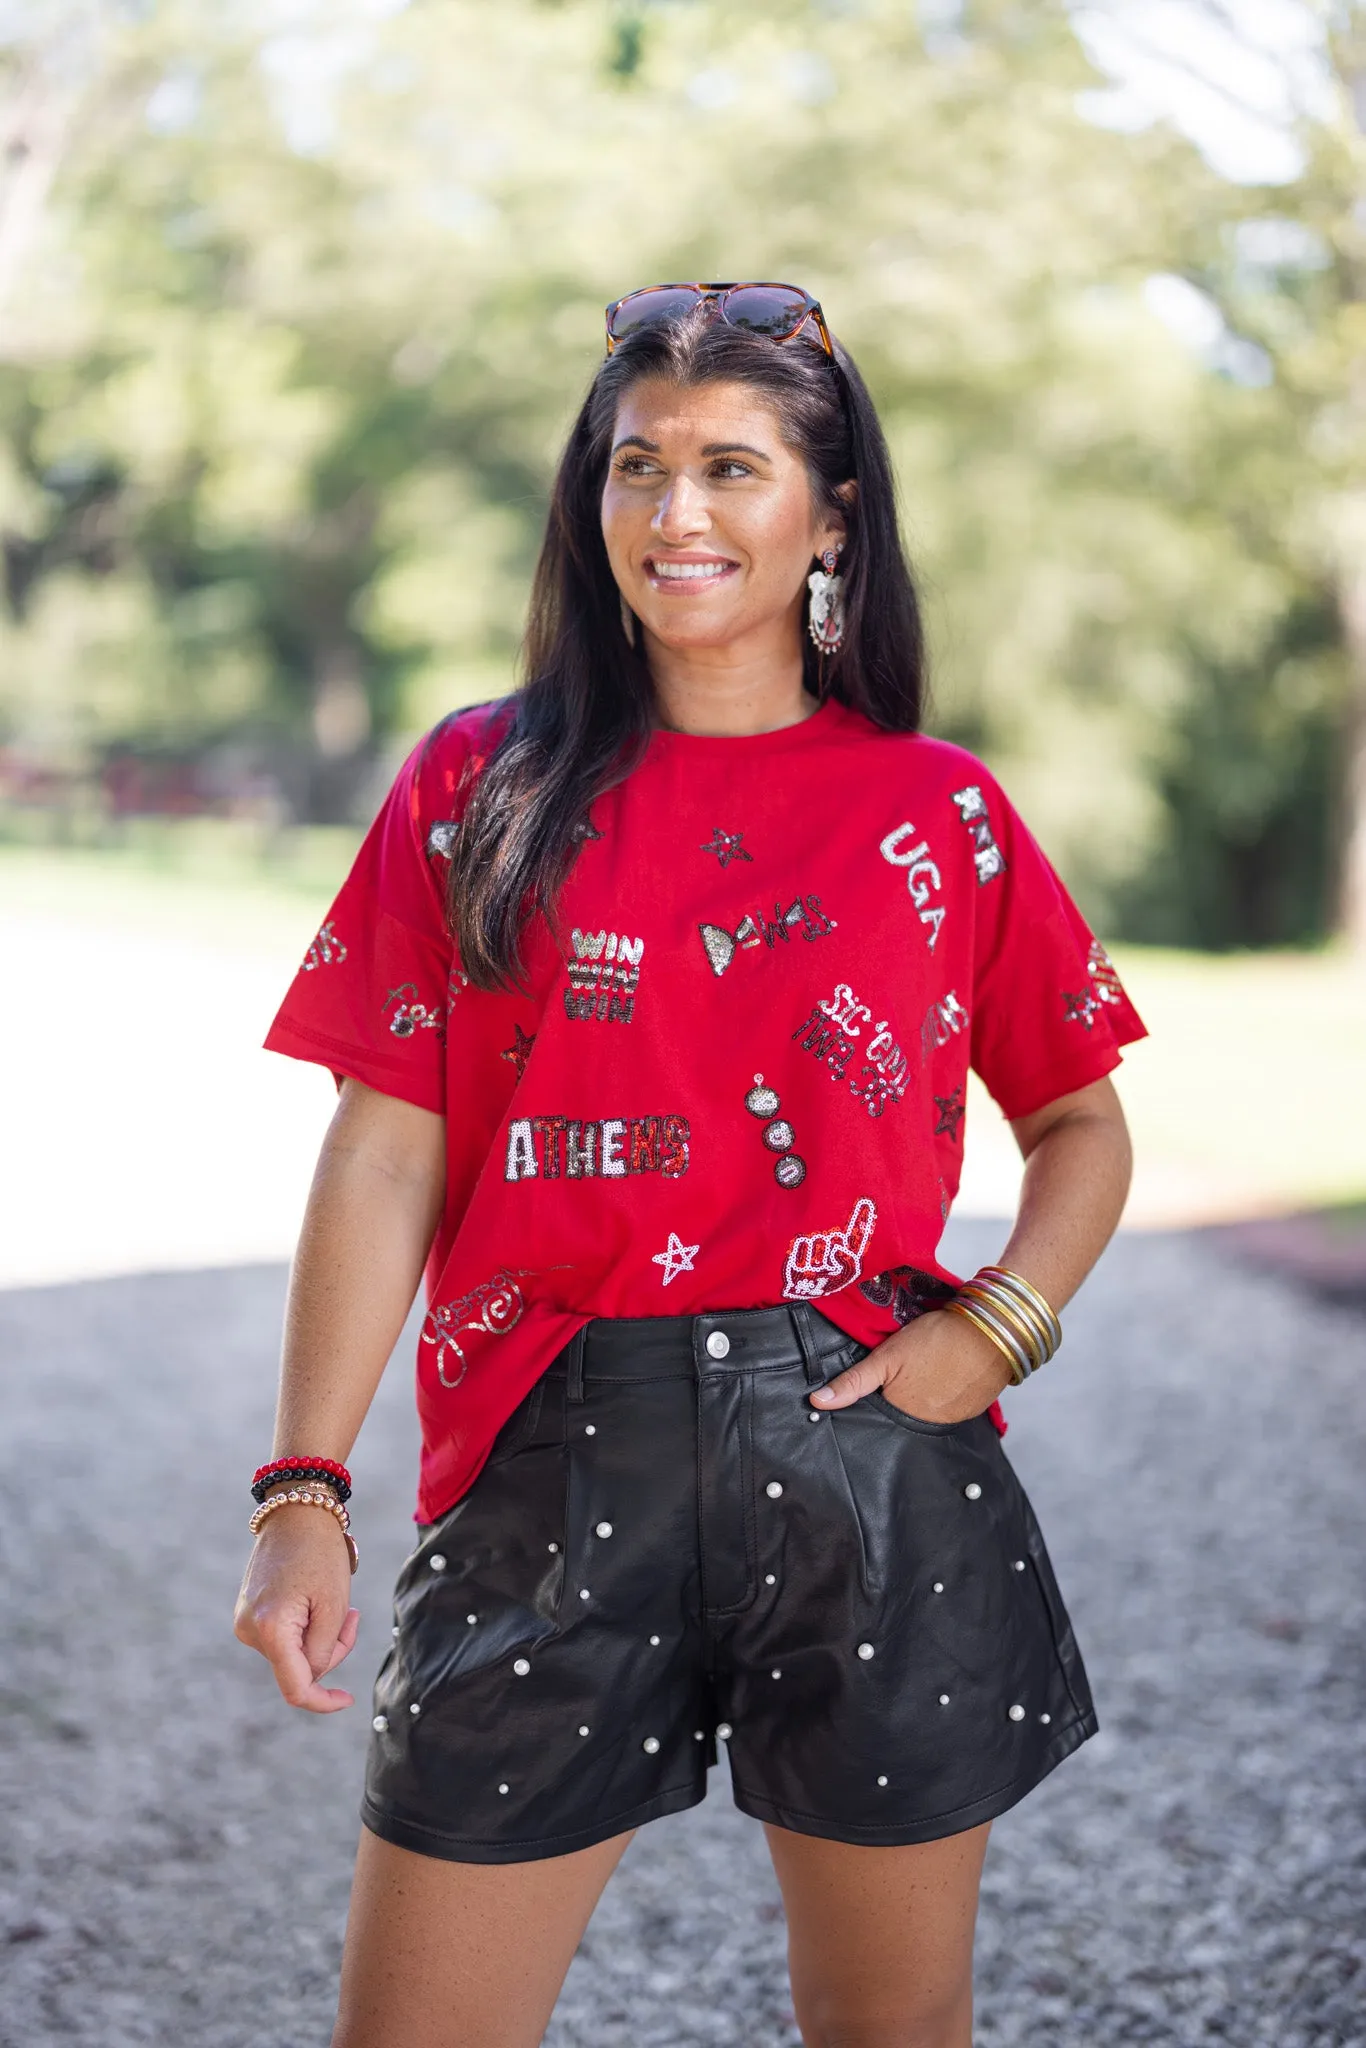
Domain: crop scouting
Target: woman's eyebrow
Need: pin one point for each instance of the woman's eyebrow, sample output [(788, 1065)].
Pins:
[(735, 448), (637, 441)]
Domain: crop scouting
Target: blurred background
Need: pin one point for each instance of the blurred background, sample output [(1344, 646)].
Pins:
[(295, 303), (296, 300)]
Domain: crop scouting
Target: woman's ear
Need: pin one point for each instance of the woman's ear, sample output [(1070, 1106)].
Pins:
[(836, 529)]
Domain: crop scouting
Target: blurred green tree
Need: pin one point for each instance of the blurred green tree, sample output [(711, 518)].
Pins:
[(285, 369)]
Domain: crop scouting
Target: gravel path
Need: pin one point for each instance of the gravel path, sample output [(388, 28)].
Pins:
[(175, 1859)]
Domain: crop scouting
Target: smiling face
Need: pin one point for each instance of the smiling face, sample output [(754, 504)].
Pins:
[(709, 520)]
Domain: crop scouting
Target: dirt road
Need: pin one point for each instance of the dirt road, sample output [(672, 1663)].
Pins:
[(174, 1857)]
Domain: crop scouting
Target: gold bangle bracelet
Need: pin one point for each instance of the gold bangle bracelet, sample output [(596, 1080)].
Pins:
[(1029, 1296), (1024, 1312), (1007, 1346), (995, 1301)]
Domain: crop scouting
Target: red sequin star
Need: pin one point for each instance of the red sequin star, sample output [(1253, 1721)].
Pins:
[(519, 1052), (952, 1110)]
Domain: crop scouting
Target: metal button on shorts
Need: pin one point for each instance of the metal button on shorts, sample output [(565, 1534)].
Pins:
[(866, 1609)]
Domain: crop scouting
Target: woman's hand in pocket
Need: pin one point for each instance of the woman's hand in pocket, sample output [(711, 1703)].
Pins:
[(295, 1606), (938, 1369)]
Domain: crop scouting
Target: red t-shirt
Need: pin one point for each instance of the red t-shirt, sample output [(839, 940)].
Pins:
[(739, 1078)]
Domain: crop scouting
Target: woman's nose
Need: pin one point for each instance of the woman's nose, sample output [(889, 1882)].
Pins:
[(682, 512)]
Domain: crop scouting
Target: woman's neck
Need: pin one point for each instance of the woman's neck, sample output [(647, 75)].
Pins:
[(715, 695)]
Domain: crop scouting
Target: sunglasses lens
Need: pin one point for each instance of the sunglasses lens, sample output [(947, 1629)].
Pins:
[(772, 309), (651, 309)]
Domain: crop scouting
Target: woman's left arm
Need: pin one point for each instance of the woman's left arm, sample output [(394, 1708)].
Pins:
[(1077, 1167)]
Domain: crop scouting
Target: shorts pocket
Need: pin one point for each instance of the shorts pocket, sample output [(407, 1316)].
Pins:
[(917, 1424), (520, 1427)]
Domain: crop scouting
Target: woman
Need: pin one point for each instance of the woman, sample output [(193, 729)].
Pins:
[(651, 998)]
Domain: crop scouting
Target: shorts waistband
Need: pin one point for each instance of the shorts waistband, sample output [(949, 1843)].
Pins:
[(721, 1341)]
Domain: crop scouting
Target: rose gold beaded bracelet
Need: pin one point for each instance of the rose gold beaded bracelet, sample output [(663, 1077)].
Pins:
[(302, 1497)]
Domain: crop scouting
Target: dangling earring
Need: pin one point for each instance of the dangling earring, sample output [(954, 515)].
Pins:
[(825, 618)]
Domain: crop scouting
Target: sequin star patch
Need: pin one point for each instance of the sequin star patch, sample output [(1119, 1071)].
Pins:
[(519, 1052), (676, 1258), (1080, 1008), (951, 1113), (726, 846)]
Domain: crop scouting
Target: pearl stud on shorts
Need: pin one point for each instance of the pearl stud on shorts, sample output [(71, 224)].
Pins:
[(380, 1723), (774, 1489), (866, 1650), (603, 1529), (1017, 1713), (972, 1491), (521, 1666), (718, 1344), (437, 1562)]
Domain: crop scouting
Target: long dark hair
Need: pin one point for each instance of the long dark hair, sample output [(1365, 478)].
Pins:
[(583, 717)]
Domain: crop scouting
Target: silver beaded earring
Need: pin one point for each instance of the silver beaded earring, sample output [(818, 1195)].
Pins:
[(825, 618)]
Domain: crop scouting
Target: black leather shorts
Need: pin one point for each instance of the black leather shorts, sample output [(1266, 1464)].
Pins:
[(670, 1548)]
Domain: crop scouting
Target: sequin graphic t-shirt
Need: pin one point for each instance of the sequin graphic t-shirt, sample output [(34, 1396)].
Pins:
[(737, 1077)]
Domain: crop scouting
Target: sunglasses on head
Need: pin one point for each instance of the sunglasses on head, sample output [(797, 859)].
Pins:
[(777, 311)]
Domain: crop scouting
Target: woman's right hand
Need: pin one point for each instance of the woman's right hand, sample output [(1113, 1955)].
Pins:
[(294, 1606)]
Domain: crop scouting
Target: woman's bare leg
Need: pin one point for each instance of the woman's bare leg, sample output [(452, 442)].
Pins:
[(880, 1940), (461, 1955)]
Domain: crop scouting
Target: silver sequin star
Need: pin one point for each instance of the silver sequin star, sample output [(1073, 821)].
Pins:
[(677, 1259), (726, 846)]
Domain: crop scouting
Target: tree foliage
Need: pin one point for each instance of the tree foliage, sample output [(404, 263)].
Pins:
[(314, 295)]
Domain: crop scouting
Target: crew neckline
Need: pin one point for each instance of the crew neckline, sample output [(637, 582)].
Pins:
[(783, 739)]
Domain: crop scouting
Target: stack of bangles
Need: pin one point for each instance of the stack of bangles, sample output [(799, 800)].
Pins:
[(1013, 1315), (306, 1483)]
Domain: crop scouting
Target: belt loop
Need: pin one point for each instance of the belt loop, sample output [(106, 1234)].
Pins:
[(573, 1366), (800, 1313)]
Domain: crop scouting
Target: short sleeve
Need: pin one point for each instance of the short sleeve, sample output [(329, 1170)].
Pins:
[(370, 998), (1050, 1013)]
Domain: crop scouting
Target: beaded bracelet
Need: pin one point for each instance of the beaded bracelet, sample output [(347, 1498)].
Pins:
[(300, 1497), (302, 1468), (300, 1475)]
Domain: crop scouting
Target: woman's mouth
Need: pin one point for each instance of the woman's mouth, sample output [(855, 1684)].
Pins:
[(687, 576)]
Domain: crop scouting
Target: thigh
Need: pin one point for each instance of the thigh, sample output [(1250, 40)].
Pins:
[(462, 1955), (880, 1940)]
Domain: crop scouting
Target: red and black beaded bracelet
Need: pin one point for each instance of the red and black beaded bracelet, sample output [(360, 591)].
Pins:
[(324, 1471)]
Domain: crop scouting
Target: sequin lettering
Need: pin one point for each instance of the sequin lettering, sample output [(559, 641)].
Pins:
[(441, 839), (326, 949), (603, 977), (824, 1042), (986, 854), (410, 1015), (611, 1148), (886, 1071), (755, 929), (1104, 980), (825, 1261), (943, 1021), (492, 1308), (923, 879)]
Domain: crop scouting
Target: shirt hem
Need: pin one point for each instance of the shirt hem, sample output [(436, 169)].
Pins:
[(297, 1042)]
